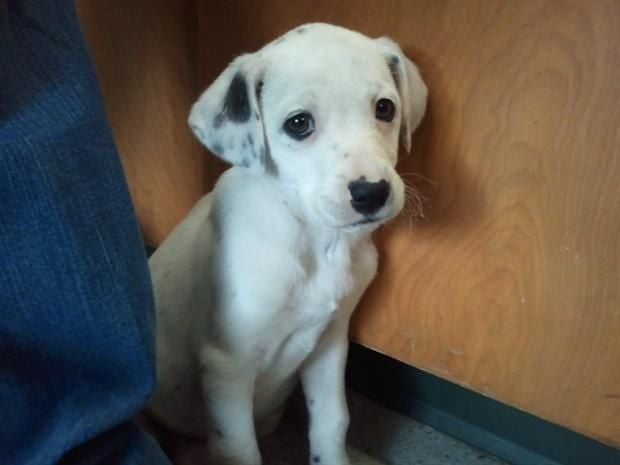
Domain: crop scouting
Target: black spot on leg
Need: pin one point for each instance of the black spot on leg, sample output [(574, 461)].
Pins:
[(393, 64), (311, 402), (237, 102), (316, 459)]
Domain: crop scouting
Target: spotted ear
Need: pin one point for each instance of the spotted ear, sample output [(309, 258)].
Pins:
[(227, 117), (413, 92)]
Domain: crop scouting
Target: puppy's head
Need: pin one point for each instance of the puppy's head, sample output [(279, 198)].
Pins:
[(319, 111)]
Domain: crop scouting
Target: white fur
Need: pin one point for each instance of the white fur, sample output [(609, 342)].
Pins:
[(255, 288)]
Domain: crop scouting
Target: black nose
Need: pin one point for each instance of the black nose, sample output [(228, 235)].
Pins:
[(368, 197)]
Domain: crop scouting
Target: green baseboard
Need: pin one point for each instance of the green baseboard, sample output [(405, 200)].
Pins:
[(494, 427)]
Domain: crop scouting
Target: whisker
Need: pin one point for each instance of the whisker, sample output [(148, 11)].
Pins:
[(419, 176), (415, 202)]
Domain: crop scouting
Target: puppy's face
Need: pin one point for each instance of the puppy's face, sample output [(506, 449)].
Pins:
[(321, 110)]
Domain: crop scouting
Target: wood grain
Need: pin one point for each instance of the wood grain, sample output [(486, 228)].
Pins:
[(145, 56), (509, 286)]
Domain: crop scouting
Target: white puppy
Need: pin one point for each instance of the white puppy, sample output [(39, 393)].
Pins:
[(255, 288)]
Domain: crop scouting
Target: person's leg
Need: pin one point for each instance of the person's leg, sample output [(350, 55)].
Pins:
[(76, 306)]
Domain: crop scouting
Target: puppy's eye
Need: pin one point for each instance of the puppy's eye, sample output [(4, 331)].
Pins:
[(300, 125), (385, 110)]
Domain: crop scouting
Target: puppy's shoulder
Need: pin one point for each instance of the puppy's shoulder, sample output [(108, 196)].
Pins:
[(252, 207)]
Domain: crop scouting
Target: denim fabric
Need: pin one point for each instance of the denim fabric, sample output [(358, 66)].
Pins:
[(76, 305)]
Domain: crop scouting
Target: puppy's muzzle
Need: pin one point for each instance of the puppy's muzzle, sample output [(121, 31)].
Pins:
[(368, 197)]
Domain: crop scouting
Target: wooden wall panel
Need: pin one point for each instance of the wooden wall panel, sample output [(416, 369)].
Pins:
[(509, 286), (145, 56)]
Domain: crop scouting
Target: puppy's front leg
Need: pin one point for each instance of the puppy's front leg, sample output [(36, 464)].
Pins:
[(322, 377), (228, 395)]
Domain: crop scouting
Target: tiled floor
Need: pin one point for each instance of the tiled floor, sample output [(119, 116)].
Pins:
[(387, 437)]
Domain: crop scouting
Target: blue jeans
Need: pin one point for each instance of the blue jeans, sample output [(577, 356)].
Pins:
[(76, 305)]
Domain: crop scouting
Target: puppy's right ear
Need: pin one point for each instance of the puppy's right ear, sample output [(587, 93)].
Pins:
[(227, 117), (413, 92)]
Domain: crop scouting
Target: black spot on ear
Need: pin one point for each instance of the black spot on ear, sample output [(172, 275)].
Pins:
[(219, 120), (198, 132), (237, 102), (217, 148), (261, 156), (393, 64)]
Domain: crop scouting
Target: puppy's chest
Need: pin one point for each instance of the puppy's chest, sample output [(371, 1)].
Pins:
[(328, 277), (311, 305)]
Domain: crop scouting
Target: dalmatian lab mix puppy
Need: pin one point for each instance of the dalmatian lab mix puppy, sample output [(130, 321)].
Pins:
[(255, 288)]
